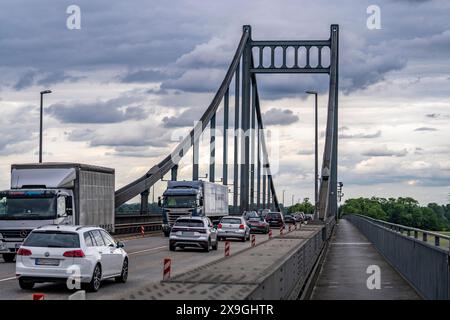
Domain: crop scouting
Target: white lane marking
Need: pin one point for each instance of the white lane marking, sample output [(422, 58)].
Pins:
[(146, 250), (7, 279)]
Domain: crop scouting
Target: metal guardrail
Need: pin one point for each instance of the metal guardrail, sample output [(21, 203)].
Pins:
[(424, 235), (129, 224), (424, 265)]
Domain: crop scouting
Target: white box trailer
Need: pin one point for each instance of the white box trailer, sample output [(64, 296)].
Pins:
[(54, 193)]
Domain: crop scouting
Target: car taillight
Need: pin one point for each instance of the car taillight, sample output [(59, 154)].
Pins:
[(219, 226), (241, 226), (74, 254), (24, 252)]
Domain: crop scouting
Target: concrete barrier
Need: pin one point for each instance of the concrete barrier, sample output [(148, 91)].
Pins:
[(273, 269)]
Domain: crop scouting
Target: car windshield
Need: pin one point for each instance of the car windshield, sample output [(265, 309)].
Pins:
[(52, 239), (180, 201), (231, 221), (256, 219), (25, 208), (189, 223), (273, 216), (251, 214)]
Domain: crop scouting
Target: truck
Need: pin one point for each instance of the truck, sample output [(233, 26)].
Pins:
[(54, 193), (192, 198)]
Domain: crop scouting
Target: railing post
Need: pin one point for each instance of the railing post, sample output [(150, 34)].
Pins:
[(258, 170), (416, 234), (424, 236), (437, 241)]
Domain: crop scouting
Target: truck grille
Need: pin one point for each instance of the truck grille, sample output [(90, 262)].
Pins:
[(174, 214), (17, 234)]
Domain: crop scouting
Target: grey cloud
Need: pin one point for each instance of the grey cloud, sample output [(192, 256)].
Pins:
[(33, 77), (385, 152), (25, 80), (111, 111), (144, 76), (276, 116), (360, 135), (425, 129), (305, 152)]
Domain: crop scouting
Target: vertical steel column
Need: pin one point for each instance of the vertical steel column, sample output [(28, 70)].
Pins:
[(236, 140), (264, 187), (269, 203), (245, 123), (195, 156), (225, 137), (173, 173), (334, 78), (252, 148), (144, 202), (212, 150), (258, 171)]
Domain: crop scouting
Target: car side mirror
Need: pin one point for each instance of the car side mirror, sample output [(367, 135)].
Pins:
[(69, 210), (201, 202), (120, 244)]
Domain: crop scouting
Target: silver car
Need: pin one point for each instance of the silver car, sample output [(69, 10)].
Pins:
[(233, 227), (196, 232)]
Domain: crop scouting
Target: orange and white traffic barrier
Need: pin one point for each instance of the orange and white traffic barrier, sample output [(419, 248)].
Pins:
[(38, 296), (167, 267), (253, 240), (281, 230), (290, 228), (227, 248), (270, 234), (142, 231)]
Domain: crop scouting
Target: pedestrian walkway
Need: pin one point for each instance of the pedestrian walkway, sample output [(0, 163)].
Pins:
[(344, 271)]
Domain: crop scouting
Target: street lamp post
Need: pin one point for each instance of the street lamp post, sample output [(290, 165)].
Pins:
[(40, 123), (316, 152)]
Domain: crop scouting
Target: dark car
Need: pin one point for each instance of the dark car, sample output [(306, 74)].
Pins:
[(298, 217), (258, 224), (289, 219), (250, 214), (275, 219)]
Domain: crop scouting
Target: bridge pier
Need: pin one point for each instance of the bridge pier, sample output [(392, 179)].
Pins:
[(144, 202)]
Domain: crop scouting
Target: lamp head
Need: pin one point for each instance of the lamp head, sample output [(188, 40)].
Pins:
[(46, 91), (311, 92)]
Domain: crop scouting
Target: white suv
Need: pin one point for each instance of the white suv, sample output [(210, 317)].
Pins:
[(71, 254), (196, 232)]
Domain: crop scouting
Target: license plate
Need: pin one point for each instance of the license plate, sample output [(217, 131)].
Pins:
[(47, 262), (188, 233)]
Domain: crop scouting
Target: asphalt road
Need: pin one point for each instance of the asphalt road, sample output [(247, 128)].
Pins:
[(145, 266)]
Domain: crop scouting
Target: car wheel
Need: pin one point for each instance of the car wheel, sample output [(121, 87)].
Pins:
[(172, 247), (96, 280), (26, 285), (208, 245), (8, 257), (166, 234), (124, 275)]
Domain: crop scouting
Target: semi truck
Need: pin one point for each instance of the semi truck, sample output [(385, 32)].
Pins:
[(54, 193), (192, 198)]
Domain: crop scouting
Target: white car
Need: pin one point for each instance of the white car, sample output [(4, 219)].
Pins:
[(61, 253), (233, 227), (197, 232)]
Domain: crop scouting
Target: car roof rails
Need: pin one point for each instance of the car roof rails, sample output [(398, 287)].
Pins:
[(48, 225)]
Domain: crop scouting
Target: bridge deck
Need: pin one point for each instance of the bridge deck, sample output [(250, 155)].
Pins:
[(343, 275)]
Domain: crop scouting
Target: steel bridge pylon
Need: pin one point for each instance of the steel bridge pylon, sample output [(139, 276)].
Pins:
[(249, 143)]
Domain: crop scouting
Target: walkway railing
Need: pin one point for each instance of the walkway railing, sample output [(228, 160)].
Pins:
[(423, 264)]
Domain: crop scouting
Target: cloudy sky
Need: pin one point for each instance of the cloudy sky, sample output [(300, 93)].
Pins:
[(138, 73)]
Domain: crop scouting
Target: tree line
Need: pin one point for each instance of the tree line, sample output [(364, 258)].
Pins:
[(405, 211)]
